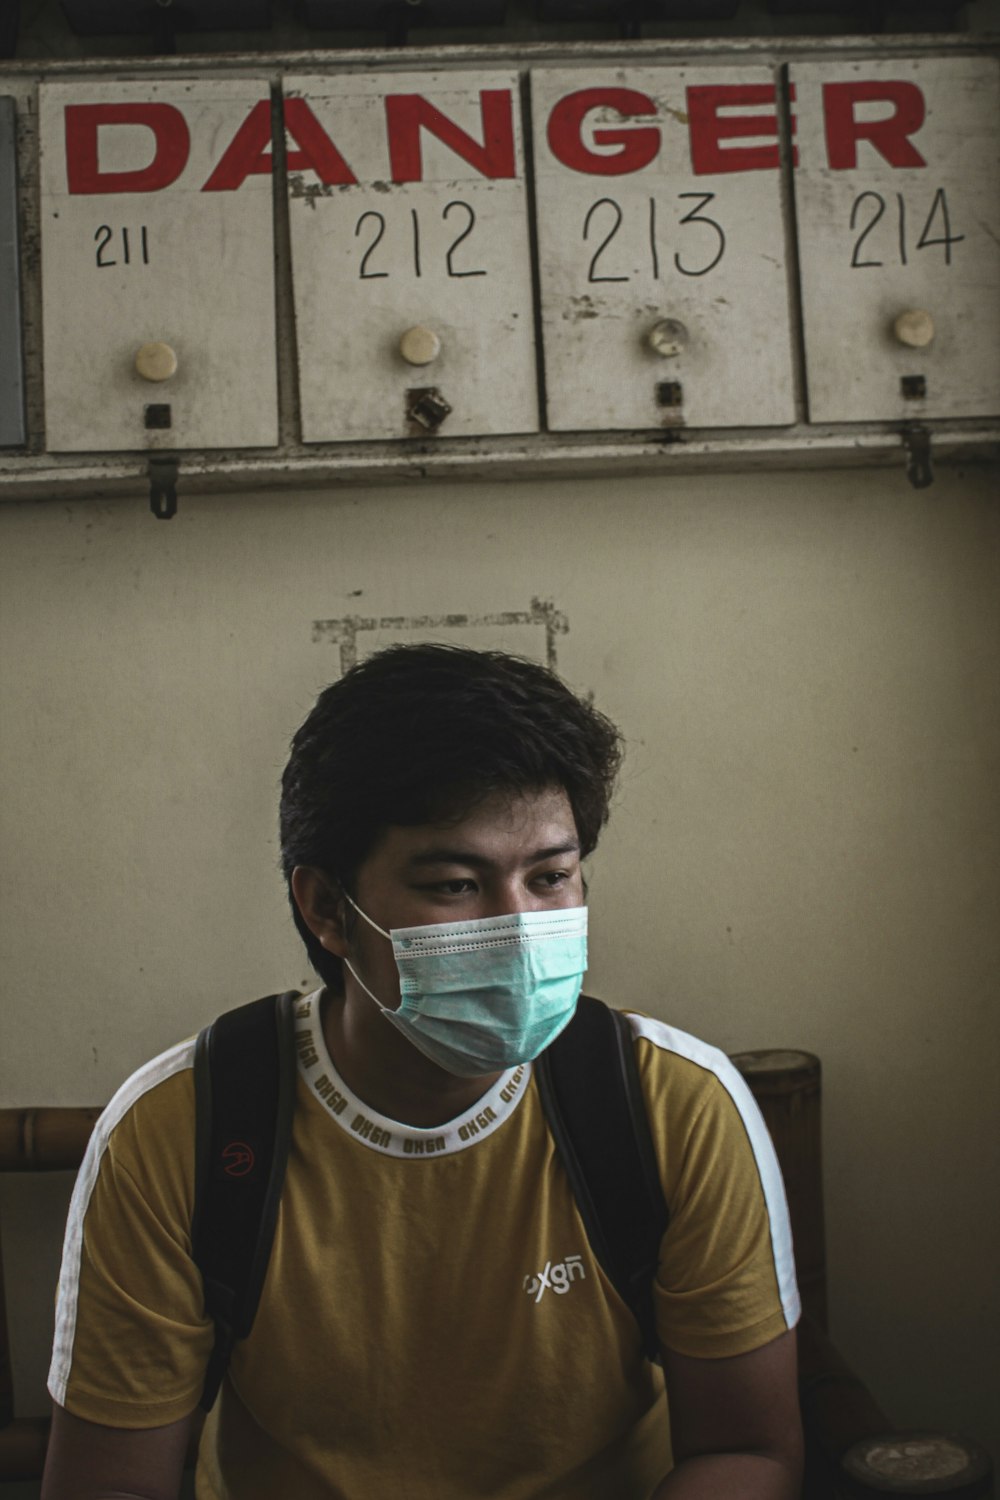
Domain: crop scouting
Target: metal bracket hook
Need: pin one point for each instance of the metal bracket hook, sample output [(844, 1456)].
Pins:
[(163, 487), (917, 442)]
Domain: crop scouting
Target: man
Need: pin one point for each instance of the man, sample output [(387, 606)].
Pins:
[(434, 1324)]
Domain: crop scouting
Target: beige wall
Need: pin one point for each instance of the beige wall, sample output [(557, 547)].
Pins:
[(804, 851)]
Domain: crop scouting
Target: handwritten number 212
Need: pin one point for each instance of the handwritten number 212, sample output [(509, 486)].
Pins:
[(465, 210)]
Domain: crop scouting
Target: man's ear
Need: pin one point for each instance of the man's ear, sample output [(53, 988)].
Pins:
[(322, 907)]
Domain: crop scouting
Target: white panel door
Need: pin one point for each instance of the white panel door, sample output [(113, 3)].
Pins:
[(157, 265), (410, 256), (662, 248), (897, 194)]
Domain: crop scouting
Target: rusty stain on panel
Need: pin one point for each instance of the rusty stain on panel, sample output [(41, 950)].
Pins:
[(308, 191)]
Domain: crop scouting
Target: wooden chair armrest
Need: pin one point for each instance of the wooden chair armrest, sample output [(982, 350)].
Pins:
[(838, 1410), (45, 1140), (854, 1451)]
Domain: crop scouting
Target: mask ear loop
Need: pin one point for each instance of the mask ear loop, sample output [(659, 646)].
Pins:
[(368, 919), (347, 962)]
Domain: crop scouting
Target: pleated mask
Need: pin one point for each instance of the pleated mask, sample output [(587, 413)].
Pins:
[(482, 995)]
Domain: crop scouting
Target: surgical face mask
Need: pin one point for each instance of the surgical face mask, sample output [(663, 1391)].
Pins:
[(480, 996)]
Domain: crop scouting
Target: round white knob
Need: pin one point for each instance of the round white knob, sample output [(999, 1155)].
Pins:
[(914, 328), (156, 361), (419, 346), (668, 338)]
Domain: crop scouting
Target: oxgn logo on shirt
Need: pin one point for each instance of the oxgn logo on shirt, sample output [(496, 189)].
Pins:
[(557, 1278)]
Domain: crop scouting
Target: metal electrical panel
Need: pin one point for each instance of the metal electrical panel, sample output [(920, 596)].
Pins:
[(410, 256), (12, 432), (158, 265), (897, 194), (662, 248)]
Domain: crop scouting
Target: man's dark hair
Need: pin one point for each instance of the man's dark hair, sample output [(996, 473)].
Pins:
[(421, 734)]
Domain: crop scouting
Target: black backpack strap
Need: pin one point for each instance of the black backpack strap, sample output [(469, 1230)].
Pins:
[(245, 1076), (594, 1105)]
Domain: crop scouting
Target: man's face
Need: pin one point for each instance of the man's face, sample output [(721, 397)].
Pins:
[(510, 854)]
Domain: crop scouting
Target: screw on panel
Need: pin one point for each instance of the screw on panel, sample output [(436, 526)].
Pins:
[(158, 416), (913, 387), (426, 408), (914, 328), (668, 338), (917, 442)]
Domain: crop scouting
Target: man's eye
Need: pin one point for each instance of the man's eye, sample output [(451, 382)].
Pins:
[(457, 887), (553, 877)]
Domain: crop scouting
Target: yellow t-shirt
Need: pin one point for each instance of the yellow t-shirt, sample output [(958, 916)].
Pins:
[(433, 1323)]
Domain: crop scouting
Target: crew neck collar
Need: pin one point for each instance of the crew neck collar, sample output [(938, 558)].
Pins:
[(379, 1132)]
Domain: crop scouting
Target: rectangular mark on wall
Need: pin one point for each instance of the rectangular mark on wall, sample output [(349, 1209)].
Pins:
[(528, 632)]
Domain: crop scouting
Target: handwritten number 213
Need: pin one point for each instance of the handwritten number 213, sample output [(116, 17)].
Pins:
[(610, 223)]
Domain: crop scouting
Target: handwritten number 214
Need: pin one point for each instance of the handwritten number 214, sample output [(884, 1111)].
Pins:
[(936, 230)]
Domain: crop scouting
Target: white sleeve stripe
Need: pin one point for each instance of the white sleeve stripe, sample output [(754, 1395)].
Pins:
[(155, 1072), (670, 1039)]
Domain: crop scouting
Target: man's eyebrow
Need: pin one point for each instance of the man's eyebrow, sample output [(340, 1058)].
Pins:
[(443, 856)]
